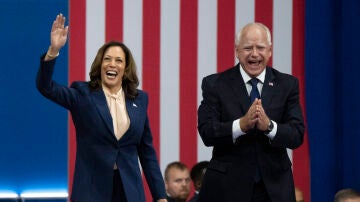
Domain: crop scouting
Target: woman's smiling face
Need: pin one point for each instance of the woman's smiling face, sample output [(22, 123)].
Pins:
[(113, 68)]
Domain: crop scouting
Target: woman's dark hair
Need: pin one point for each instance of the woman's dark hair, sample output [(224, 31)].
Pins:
[(130, 81)]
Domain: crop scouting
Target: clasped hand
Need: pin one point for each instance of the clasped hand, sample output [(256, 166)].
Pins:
[(255, 117)]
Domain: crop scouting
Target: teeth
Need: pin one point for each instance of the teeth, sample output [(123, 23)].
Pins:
[(111, 73)]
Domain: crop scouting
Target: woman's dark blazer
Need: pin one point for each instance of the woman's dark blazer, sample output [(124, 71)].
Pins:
[(97, 147)]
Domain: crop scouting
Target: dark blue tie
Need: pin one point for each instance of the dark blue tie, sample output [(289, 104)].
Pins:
[(254, 93)]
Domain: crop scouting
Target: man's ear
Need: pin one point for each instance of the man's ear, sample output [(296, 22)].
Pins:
[(236, 52)]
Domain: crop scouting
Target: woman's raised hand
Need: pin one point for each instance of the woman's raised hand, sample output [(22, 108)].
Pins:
[(58, 35)]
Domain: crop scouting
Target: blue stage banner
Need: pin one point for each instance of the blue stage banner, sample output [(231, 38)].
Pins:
[(33, 146)]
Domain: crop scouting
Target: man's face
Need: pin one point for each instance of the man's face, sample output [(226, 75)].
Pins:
[(178, 183), (253, 50)]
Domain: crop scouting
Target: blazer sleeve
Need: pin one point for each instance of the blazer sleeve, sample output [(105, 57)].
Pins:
[(149, 162), (212, 130), (59, 94), (290, 132)]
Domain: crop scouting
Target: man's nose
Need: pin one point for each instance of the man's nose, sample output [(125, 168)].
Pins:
[(254, 51)]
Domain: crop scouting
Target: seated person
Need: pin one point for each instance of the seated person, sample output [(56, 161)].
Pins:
[(197, 173), (177, 182), (347, 195)]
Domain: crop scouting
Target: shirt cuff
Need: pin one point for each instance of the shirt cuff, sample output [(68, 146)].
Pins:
[(236, 130), (272, 134)]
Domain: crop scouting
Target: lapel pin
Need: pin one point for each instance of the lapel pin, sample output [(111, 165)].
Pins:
[(134, 105), (271, 84)]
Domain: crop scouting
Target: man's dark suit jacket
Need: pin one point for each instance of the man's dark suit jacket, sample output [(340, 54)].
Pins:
[(230, 175), (97, 147)]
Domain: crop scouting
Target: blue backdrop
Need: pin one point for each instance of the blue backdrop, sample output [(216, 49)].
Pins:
[(332, 95), (33, 146)]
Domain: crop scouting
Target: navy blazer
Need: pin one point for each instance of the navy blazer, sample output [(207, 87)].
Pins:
[(230, 174), (97, 147)]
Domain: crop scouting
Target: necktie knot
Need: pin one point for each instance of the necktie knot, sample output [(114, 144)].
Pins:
[(254, 82)]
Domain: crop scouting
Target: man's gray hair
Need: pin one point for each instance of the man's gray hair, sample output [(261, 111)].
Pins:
[(268, 34)]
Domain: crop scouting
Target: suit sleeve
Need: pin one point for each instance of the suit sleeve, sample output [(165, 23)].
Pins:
[(290, 132), (59, 94), (150, 164), (212, 129)]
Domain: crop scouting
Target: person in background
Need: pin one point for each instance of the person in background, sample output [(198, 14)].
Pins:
[(347, 195), (250, 114), (197, 173), (177, 182), (112, 126)]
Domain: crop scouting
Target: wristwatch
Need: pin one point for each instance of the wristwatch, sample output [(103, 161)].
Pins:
[(270, 127)]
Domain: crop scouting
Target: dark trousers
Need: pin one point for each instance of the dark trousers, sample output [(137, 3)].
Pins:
[(118, 194), (259, 193)]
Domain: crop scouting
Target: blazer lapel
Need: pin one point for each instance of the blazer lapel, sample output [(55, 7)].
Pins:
[(269, 88), (101, 105), (239, 89), (131, 108)]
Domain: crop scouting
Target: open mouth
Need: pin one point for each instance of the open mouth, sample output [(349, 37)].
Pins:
[(254, 62), (111, 74)]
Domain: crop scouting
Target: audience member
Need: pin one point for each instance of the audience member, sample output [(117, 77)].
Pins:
[(197, 173), (177, 182), (347, 195)]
